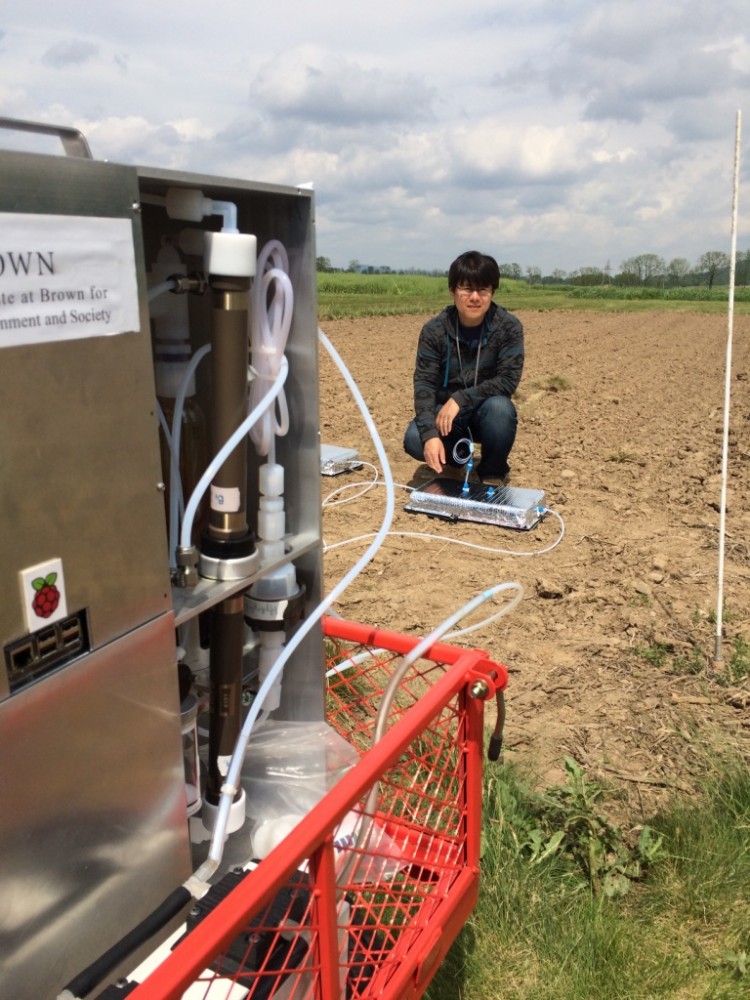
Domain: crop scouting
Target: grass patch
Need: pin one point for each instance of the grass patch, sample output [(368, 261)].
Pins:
[(554, 383), (656, 654), (693, 662), (622, 456), (346, 295), (738, 665), (542, 930)]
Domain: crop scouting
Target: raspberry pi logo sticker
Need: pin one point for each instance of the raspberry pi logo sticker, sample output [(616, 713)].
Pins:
[(47, 595), (43, 594)]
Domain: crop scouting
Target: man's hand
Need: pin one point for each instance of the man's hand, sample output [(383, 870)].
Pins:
[(445, 417), (434, 454)]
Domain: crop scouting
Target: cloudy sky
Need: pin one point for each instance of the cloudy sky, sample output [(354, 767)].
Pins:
[(552, 133)]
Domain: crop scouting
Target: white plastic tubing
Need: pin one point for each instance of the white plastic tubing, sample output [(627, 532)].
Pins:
[(272, 306), (175, 484), (233, 775)]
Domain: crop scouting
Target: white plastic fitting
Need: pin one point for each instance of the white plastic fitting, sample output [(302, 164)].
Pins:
[(271, 551), (271, 519), (189, 204), (271, 479), (236, 819), (231, 254), (268, 654)]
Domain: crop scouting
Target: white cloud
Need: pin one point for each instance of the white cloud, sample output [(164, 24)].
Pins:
[(320, 87), (71, 52), (559, 134)]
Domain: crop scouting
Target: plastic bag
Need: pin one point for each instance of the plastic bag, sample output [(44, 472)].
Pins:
[(288, 768)]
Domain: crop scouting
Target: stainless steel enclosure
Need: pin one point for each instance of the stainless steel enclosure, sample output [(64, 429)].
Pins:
[(94, 834), (94, 831)]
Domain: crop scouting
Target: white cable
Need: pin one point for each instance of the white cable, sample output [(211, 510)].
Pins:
[(364, 487), (460, 541), (272, 308), (439, 633), (160, 289), (458, 458), (235, 766), (166, 429), (176, 500), (475, 602), (455, 541), (469, 545)]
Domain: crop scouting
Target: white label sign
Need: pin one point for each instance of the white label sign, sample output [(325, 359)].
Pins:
[(226, 498), (65, 277)]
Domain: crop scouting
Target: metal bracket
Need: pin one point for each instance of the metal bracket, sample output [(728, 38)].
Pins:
[(483, 683)]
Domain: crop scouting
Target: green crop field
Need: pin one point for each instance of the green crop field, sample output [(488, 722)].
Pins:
[(343, 295)]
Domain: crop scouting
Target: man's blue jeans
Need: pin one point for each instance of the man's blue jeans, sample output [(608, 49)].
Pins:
[(492, 424)]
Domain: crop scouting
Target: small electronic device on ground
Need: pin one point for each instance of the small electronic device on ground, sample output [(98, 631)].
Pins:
[(503, 506), (335, 460)]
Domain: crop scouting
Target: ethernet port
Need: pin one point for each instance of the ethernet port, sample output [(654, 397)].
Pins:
[(21, 657)]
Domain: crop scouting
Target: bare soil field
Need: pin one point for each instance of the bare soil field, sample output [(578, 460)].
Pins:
[(610, 653)]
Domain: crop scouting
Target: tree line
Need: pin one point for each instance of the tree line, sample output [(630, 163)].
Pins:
[(643, 270), (649, 270)]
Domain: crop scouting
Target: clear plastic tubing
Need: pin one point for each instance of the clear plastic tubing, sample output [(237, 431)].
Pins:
[(175, 486), (160, 289), (270, 332)]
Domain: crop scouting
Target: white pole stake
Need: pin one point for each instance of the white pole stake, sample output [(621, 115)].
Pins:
[(718, 656)]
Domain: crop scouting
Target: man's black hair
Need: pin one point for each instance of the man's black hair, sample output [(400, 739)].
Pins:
[(477, 270)]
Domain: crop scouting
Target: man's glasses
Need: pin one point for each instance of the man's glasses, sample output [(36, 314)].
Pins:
[(465, 291)]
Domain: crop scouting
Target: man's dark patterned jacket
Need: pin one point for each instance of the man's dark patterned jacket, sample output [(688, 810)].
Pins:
[(439, 375)]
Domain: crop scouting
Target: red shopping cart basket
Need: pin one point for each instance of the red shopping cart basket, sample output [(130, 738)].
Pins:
[(365, 896)]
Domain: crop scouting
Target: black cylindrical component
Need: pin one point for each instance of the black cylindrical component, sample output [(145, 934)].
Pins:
[(227, 640), (229, 363), (91, 977)]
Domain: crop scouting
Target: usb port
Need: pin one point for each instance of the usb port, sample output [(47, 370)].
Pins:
[(46, 642), (70, 632)]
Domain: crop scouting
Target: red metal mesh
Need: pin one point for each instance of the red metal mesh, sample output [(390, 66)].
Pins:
[(382, 894)]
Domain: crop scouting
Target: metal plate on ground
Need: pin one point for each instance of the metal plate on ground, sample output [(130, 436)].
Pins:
[(503, 506), (335, 460)]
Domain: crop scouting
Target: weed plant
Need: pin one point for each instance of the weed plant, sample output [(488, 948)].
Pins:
[(545, 929), (622, 457)]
